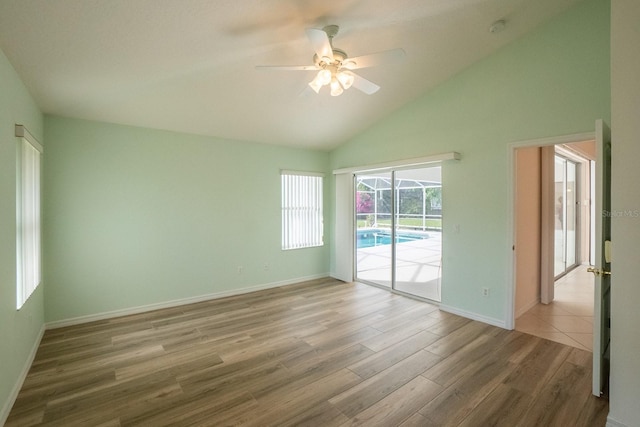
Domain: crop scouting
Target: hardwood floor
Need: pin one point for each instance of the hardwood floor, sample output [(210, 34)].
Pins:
[(319, 353)]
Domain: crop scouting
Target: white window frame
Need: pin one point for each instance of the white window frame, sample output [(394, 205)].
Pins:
[(302, 209), (28, 217)]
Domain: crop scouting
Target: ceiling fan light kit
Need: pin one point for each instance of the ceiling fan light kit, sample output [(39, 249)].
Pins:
[(339, 81), (334, 66), (323, 78)]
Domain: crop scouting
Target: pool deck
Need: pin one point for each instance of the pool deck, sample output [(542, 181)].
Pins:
[(418, 266)]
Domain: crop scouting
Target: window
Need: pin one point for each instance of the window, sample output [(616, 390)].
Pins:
[(27, 216), (301, 210)]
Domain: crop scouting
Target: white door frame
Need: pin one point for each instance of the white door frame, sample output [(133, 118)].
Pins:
[(511, 200)]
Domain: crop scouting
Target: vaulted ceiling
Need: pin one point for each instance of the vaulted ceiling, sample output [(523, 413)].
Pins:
[(189, 65)]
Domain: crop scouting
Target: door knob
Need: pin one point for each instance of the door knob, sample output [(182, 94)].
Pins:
[(598, 272)]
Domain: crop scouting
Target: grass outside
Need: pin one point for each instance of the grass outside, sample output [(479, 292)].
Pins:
[(407, 222)]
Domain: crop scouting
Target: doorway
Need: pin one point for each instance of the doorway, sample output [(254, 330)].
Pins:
[(398, 233), (599, 253), (560, 191)]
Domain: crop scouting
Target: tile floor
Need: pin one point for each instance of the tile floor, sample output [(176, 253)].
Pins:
[(569, 318)]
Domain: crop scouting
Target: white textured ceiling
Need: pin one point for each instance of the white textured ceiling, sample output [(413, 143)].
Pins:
[(189, 65)]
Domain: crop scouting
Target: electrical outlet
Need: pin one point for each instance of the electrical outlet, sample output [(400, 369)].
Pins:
[(485, 292), (240, 269), (265, 266)]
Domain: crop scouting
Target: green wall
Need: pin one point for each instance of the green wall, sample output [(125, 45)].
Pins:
[(135, 217), (552, 82), (19, 330)]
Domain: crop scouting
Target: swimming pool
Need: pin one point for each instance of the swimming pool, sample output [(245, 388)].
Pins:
[(378, 237)]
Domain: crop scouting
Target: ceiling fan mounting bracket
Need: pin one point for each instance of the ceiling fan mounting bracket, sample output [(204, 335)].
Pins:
[(331, 30)]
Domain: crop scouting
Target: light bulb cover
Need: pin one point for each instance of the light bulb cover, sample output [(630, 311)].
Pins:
[(315, 85), (324, 77), (336, 87), (345, 78)]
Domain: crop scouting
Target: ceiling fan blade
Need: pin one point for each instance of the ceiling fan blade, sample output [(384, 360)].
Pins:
[(320, 42), (287, 67), (365, 61), (364, 85)]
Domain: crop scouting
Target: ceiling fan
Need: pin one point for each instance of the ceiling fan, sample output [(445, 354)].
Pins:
[(335, 67)]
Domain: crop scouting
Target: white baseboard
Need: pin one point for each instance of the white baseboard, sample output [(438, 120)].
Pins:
[(474, 316), (613, 423), (4, 412), (183, 301)]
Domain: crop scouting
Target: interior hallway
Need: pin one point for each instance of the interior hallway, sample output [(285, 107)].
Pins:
[(569, 318)]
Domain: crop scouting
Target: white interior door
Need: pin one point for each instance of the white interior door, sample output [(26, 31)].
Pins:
[(602, 268)]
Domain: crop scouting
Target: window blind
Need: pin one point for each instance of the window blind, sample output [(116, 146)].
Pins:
[(28, 220), (302, 214)]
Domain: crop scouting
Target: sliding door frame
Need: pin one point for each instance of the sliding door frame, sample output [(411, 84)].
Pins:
[(342, 266), (394, 214)]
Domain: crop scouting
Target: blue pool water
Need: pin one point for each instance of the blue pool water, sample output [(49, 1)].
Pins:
[(373, 237)]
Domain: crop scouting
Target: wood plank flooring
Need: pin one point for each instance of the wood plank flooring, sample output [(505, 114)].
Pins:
[(319, 353)]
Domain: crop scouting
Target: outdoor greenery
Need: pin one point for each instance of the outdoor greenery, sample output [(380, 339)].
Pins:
[(414, 222), (413, 204), (410, 201), (404, 222)]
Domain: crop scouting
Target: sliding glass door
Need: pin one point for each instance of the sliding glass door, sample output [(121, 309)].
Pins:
[(373, 228), (566, 218), (399, 228), (418, 232)]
